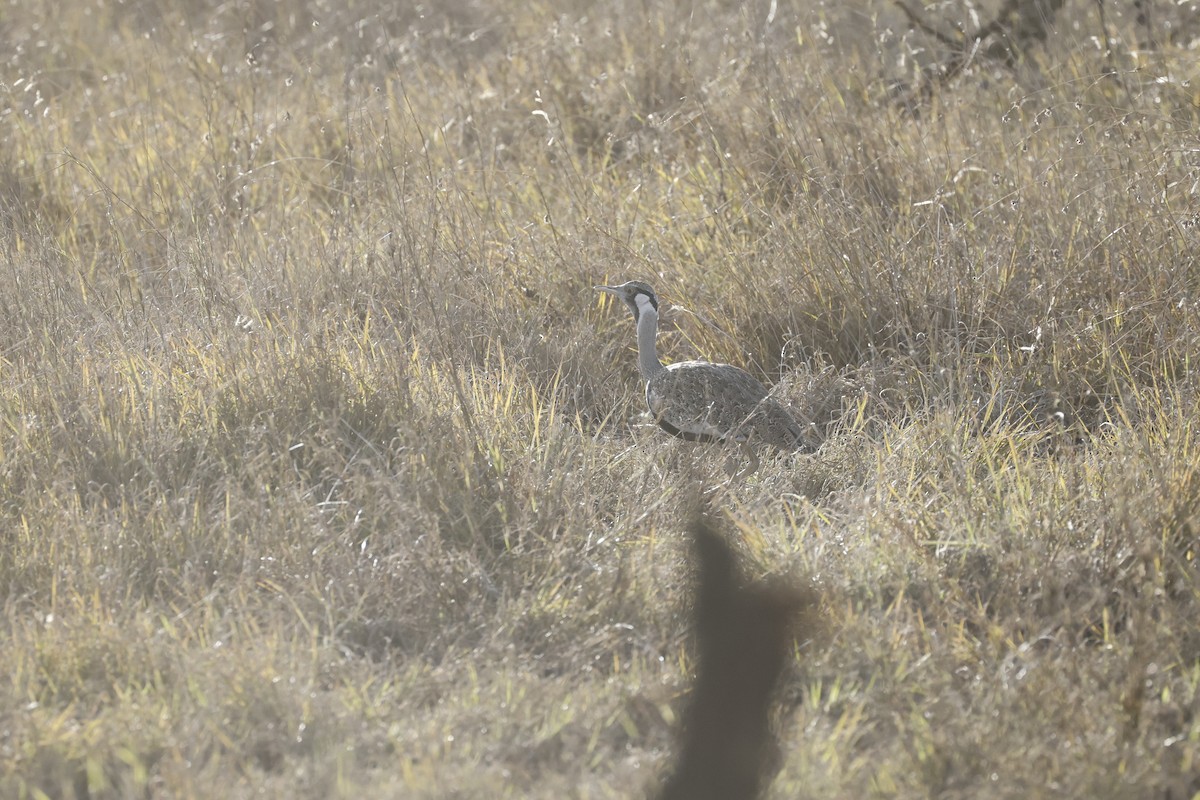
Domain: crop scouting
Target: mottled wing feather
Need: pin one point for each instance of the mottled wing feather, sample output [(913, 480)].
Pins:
[(719, 402)]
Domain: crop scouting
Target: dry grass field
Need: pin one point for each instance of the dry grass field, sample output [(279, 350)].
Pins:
[(324, 473)]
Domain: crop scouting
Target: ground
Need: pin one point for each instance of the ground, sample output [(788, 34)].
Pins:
[(324, 471)]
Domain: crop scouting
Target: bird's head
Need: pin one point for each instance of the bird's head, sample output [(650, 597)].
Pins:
[(636, 295)]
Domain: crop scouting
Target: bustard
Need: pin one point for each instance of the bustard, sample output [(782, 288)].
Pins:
[(699, 400)]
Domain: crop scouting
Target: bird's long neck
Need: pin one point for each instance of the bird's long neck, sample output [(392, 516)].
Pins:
[(647, 332)]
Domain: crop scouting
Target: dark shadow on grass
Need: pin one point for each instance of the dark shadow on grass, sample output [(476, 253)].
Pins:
[(744, 632)]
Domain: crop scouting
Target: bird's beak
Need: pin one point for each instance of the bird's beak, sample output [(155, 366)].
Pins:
[(609, 289)]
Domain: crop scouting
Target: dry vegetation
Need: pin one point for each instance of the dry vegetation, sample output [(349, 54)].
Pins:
[(322, 469)]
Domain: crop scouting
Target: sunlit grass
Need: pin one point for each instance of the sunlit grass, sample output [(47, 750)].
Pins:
[(323, 471)]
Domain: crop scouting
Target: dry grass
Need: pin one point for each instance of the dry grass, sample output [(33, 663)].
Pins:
[(322, 472)]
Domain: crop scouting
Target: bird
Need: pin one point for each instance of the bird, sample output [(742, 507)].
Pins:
[(701, 400)]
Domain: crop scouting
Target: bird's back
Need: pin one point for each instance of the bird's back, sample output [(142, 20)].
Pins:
[(719, 402)]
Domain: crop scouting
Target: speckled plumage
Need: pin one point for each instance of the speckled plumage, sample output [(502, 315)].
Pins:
[(719, 402), (700, 400)]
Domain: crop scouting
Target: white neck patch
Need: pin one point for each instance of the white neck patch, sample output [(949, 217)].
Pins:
[(644, 305)]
